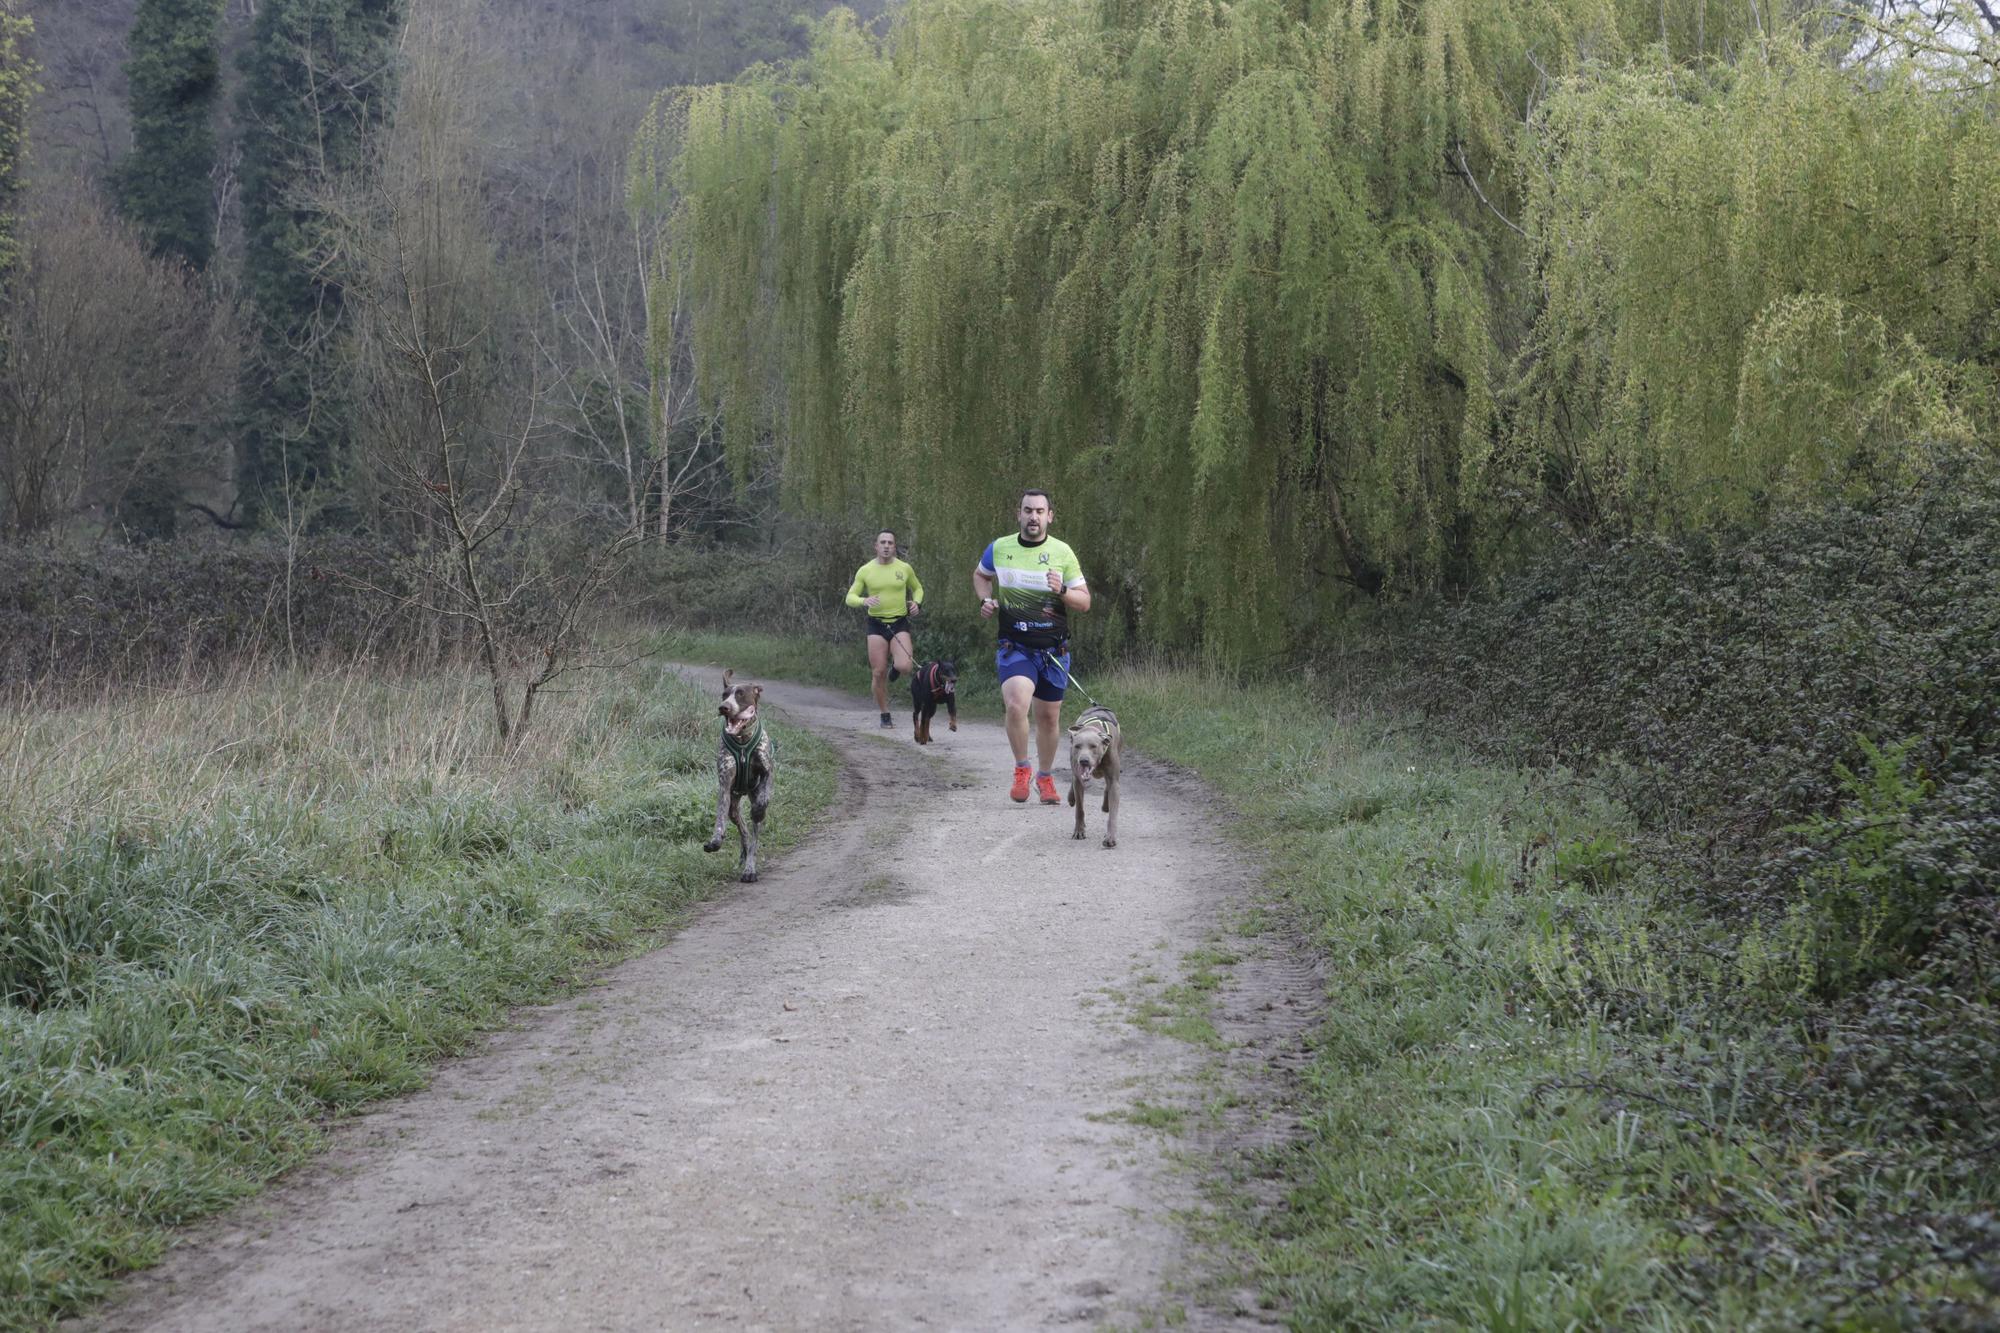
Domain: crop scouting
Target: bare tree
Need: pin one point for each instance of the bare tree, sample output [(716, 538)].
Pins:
[(1957, 41), (459, 452), (113, 369), (632, 411)]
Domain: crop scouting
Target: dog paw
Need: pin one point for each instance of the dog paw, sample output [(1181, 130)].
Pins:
[(1111, 842), (1077, 836), (749, 877), (954, 724), (713, 844)]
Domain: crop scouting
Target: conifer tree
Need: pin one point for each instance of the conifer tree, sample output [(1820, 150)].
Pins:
[(17, 92), (318, 80), (175, 76)]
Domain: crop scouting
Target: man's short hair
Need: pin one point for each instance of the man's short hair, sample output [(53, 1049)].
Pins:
[(1033, 490), (890, 531)]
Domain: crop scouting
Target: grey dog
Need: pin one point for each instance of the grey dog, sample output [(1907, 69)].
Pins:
[(745, 764), (1095, 750)]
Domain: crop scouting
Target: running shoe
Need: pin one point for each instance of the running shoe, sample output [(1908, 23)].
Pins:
[(895, 674), (1045, 786), (886, 722), (1022, 774)]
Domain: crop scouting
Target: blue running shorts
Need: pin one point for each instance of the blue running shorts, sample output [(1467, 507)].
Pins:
[(1049, 671)]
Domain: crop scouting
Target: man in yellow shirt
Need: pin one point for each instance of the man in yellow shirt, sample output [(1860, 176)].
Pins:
[(891, 594)]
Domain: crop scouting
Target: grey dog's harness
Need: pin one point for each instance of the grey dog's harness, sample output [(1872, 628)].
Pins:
[(1101, 725)]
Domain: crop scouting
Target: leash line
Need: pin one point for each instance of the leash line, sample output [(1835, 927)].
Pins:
[(1053, 661)]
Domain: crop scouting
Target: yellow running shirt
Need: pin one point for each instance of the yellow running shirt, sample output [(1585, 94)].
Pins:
[(895, 583)]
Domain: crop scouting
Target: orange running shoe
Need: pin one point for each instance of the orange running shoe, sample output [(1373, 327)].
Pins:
[(1046, 786), (1020, 790)]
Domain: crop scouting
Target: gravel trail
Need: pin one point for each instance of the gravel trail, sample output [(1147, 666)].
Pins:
[(878, 1089)]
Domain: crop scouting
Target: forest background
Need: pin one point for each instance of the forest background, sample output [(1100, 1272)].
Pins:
[(1610, 386)]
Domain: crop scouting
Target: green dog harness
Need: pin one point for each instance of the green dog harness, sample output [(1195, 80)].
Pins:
[(745, 782)]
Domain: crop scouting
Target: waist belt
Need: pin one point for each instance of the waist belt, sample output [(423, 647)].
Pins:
[(1059, 646)]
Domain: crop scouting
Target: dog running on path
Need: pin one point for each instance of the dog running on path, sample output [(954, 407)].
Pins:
[(1095, 748), (931, 684), (745, 764)]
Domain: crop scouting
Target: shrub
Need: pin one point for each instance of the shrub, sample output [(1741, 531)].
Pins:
[(1732, 689), (72, 619), (1806, 970)]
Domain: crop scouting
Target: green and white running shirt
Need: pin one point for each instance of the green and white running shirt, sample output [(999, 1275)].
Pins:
[(1030, 614)]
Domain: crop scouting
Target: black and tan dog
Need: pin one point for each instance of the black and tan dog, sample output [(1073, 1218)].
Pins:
[(931, 684), (1096, 751), (745, 764)]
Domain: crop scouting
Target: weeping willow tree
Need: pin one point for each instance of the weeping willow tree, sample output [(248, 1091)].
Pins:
[(1263, 292), (1763, 282)]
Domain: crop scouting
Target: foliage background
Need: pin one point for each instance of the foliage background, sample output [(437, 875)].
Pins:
[(1343, 296)]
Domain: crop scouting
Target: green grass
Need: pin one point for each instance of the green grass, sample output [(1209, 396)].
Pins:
[(228, 913), (1493, 1140)]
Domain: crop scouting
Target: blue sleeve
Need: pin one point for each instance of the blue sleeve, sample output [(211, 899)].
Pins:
[(986, 560)]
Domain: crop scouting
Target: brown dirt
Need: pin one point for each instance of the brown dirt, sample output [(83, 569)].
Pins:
[(878, 1089)]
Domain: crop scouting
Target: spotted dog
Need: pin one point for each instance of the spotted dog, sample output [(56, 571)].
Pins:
[(745, 764)]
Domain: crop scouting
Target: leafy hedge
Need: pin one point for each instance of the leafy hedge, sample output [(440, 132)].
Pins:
[(71, 619), (1810, 708), (1806, 721), (76, 618)]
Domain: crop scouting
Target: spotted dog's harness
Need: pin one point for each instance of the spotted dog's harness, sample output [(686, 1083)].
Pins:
[(741, 749)]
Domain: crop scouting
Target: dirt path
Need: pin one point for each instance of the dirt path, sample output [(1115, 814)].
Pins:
[(870, 1091)]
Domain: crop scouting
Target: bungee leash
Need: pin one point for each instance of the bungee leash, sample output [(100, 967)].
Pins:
[(1071, 679)]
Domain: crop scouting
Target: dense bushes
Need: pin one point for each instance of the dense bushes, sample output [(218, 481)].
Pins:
[(116, 613), (71, 618), (1804, 944), (1813, 708)]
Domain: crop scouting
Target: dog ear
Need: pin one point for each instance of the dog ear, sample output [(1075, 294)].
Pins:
[(756, 693), (727, 676)]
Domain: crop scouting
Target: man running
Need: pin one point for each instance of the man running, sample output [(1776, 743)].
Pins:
[(1032, 582), (891, 593)]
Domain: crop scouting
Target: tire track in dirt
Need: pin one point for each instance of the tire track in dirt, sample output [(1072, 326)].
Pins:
[(869, 1091)]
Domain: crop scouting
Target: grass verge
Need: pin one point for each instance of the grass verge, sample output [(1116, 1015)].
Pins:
[(228, 913), (1501, 1130)]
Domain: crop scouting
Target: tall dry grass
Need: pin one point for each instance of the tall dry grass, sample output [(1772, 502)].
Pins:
[(235, 906)]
